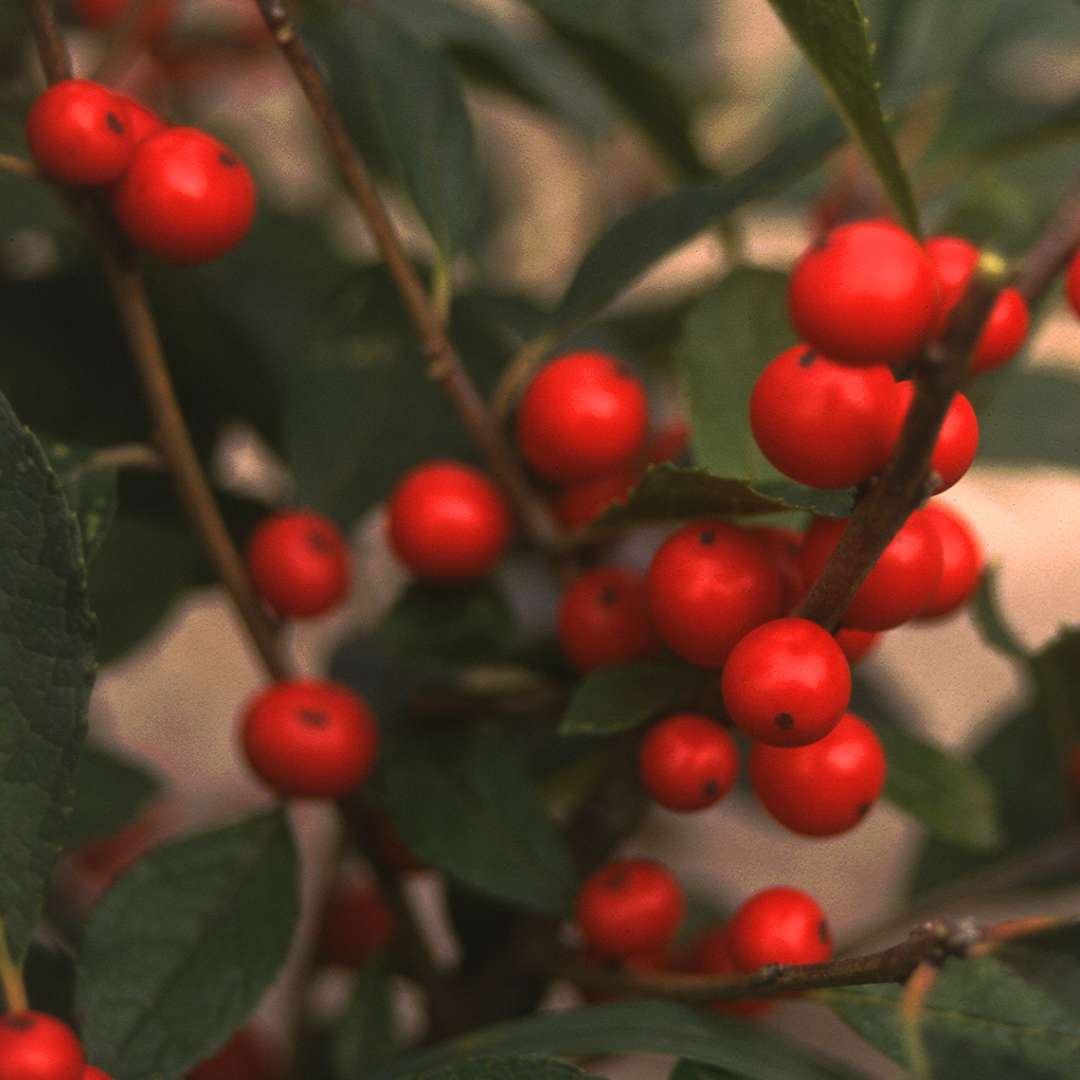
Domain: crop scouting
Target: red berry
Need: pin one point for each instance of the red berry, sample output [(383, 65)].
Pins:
[(780, 925), (902, 581), (709, 584), (786, 683), (582, 502), (630, 906), (35, 1046), (356, 923), (584, 414), (954, 259), (448, 522), (1072, 284), (143, 120), (962, 561), (711, 955), (688, 762), (79, 133), (824, 788), (604, 619), (186, 197), (864, 294), (784, 546), (244, 1055), (857, 644), (310, 738), (299, 563), (154, 17), (820, 422), (957, 441)]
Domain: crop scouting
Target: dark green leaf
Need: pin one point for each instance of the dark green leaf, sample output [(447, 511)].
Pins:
[(989, 619), (832, 35), (639, 1027), (47, 666), (1056, 672), (980, 1019), (178, 953), (728, 338), (1034, 423), (90, 490), (480, 818), (635, 242), (111, 792), (365, 1037), (622, 697), (508, 1068)]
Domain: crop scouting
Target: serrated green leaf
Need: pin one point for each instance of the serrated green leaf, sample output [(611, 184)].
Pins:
[(508, 1068), (365, 1036), (624, 696), (1009, 434), (989, 619), (481, 818), (180, 950), (90, 490), (110, 793), (832, 36), (980, 1019), (728, 338), (637, 1027), (46, 671)]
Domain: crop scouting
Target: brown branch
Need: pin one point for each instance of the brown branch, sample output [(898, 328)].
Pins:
[(55, 58), (444, 364), (1053, 249)]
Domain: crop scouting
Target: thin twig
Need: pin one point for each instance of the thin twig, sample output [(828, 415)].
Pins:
[(122, 456), (55, 58), (17, 166), (444, 364), (1053, 249), (11, 979), (912, 1003)]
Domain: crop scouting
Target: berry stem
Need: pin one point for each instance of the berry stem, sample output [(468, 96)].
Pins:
[(444, 364), (11, 979), (55, 58), (912, 1005), (17, 166)]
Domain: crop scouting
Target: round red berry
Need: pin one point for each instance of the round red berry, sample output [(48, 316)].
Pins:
[(310, 738), (35, 1046), (710, 954), (954, 259), (630, 906), (604, 619), (709, 584), (244, 1055), (957, 442), (864, 294), (902, 580), (824, 788), (143, 120), (299, 563), (820, 422), (448, 522), (787, 683), (688, 762), (1072, 284), (857, 644), (186, 197), (584, 414), (780, 925), (79, 133), (962, 561), (784, 546), (582, 502), (357, 922)]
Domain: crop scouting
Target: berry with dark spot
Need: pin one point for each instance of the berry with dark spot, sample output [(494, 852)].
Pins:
[(780, 925), (36, 1046), (688, 762), (142, 120)]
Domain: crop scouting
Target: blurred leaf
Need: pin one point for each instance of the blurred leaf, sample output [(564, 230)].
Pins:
[(405, 97), (180, 950), (47, 661), (980, 1019), (111, 792), (989, 619), (629, 247), (480, 818), (635, 1027), (1009, 434), (1055, 669), (509, 1068), (620, 698), (832, 35), (365, 1036), (728, 338), (90, 490)]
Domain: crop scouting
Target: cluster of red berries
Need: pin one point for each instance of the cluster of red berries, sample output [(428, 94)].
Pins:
[(174, 191), (630, 911)]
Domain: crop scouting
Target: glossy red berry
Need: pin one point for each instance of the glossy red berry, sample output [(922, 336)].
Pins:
[(787, 683), (784, 546), (186, 197), (79, 134), (604, 619), (954, 259), (864, 294), (688, 762), (357, 922), (448, 522), (299, 563), (309, 738), (584, 414), (962, 561), (902, 581), (582, 502), (630, 906), (780, 925), (824, 788), (35, 1046), (1072, 284), (709, 584), (857, 644), (820, 422), (710, 954), (143, 120), (957, 441), (244, 1055)]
